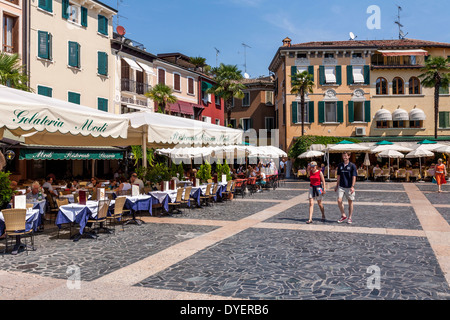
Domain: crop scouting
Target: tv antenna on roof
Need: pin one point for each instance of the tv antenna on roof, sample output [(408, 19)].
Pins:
[(401, 34), (245, 55), (217, 56)]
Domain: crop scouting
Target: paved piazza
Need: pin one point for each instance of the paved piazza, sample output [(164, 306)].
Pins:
[(258, 247)]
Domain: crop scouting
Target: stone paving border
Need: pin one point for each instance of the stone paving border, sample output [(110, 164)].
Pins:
[(120, 284)]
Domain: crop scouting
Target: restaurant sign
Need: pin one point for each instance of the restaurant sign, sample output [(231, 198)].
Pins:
[(28, 154)]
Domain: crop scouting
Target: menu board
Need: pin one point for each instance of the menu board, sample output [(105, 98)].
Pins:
[(135, 190), (20, 202), (224, 178), (101, 195), (82, 195)]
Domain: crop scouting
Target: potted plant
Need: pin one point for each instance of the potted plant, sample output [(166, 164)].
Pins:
[(6, 191), (204, 174), (159, 173)]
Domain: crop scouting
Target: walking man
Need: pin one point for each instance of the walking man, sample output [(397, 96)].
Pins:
[(345, 186)]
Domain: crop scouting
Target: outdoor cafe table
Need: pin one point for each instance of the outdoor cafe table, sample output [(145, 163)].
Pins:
[(78, 213), (33, 220), (197, 192)]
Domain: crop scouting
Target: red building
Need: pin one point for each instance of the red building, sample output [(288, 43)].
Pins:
[(214, 107)]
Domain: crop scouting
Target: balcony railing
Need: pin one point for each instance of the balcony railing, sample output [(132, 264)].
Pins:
[(135, 87)]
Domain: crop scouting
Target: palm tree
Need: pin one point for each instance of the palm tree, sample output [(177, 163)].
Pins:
[(302, 83), (162, 95), (198, 62), (228, 85), (11, 72), (436, 75)]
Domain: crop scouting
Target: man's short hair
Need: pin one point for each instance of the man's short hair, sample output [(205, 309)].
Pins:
[(347, 153)]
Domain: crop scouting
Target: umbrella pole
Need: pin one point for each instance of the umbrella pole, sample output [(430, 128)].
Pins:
[(144, 149)]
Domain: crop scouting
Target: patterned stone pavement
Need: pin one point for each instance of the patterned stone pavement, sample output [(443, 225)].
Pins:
[(258, 248)]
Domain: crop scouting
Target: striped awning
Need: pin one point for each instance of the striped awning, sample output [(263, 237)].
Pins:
[(396, 53)]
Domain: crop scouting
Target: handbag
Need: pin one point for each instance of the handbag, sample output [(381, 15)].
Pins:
[(434, 180)]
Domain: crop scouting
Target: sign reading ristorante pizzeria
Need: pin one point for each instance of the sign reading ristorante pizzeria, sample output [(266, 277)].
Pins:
[(23, 117), (28, 154)]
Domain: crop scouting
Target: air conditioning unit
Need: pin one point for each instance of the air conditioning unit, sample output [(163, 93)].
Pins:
[(360, 132)]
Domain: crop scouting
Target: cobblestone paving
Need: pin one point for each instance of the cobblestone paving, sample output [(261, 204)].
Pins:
[(274, 264), (363, 216), (285, 260)]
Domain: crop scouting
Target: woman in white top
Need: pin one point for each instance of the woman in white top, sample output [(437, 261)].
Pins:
[(124, 186)]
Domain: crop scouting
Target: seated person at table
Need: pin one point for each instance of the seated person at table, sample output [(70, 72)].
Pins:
[(94, 183), (135, 180), (34, 193), (114, 184), (48, 185), (13, 185), (75, 185), (124, 186)]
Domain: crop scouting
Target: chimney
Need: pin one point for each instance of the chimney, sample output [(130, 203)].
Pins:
[(287, 42)]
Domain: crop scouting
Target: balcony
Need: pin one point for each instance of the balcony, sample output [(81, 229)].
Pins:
[(135, 87), (397, 62)]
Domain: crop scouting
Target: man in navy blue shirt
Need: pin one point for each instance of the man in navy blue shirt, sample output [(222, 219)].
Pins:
[(346, 180)]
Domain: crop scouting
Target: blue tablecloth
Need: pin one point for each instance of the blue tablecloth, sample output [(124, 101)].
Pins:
[(139, 203)]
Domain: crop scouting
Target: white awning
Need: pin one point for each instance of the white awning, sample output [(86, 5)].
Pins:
[(400, 115), (417, 115), (133, 64), (330, 77), (394, 53), (146, 68), (358, 74), (383, 115)]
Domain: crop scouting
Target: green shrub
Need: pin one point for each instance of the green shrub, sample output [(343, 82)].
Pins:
[(5, 189)]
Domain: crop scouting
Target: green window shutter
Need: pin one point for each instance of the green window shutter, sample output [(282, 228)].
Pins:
[(351, 111), (367, 75), (447, 119), (338, 75), (102, 25), (46, 5), (74, 54), (311, 71), (349, 75), (321, 111), (294, 112), (103, 63), (311, 112), (103, 104), (322, 75), (367, 112), (443, 90), (43, 45), (444, 119), (74, 97), (45, 91), (84, 16), (293, 73), (65, 9), (340, 111)]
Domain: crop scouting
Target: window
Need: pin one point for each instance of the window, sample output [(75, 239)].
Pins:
[(382, 86), (74, 97), (246, 124), (103, 25), (191, 86), (330, 112), (10, 34), (399, 124), (102, 63), (414, 86), (358, 111), (74, 54), (102, 104), (397, 86), (444, 119), (382, 124), (269, 122), (416, 124), (443, 90), (44, 45), (46, 5), (269, 98), (357, 55), (299, 113), (161, 76), (358, 74), (45, 91), (176, 82), (246, 100), (329, 55), (218, 122), (233, 123), (74, 13), (217, 100)]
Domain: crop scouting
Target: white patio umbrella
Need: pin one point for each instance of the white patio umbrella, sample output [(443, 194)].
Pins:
[(345, 146), (419, 153), (445, 149), (395, 147), (391, 154), (311, 154)]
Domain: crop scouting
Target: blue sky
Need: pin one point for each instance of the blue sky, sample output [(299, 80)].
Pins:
[(196, 27)]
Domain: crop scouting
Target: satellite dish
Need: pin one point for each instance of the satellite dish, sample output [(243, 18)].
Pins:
[(246, 76), (352, 36), (121, 31)]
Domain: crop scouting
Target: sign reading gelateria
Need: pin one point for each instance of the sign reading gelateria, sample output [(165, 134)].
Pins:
[(28, 154)]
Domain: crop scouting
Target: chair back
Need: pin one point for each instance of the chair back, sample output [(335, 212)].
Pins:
[(415, 172), (229, 186), (30, 206), (119, 205), (179, 194), (103, 206), (94, 195), (62, 202), (377, 171), (208, 189), (147, 190), (15, 219), (215, 188), (187, 193), (402, 172), (124, 193), (76, 198)]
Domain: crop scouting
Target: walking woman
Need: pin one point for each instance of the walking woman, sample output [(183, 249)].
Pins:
[(441, 173), (316, 190)]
